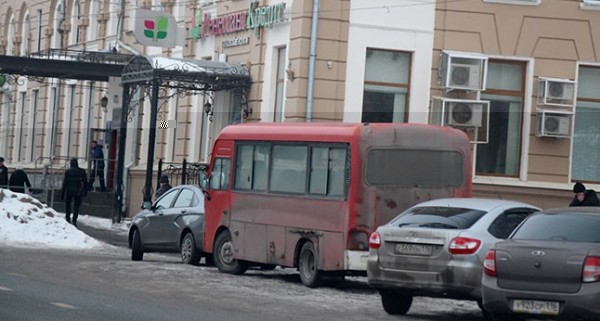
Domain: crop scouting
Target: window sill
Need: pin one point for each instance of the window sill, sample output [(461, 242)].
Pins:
[(517, 2)]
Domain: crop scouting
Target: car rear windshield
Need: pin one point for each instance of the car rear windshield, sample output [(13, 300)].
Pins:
[(438, 217), (560, 227)]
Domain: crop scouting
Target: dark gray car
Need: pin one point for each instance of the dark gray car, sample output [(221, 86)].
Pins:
[(174, 223), (550, 267)]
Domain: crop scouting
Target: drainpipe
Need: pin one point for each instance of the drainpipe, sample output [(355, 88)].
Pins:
[(311, 62)]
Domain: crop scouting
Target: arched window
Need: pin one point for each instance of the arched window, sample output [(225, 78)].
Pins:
[(59, 16), (92, 31), (75, 16), (10, 36), (25, 39), (113, 18)]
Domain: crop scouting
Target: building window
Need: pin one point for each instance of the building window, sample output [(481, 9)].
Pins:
[(39, 31), (33, 124), (70, 114), (586, 136), (75, 16), (92, 31), (58, 20), (25, 36), (235, 108), (505, 89), (10, 37), (21, 115), (280, 81), (385, 96), (5, 125)]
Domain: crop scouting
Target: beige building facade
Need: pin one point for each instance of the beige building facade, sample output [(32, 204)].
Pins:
[(540, 80), (367, 61)]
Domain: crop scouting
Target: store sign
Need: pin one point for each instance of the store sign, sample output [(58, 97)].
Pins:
[(155, 28), (256, 17), (236, 42)]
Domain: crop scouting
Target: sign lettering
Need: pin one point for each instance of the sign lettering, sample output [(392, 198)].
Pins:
[(256, 17)]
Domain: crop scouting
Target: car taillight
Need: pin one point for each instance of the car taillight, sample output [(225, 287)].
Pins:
[(591, 269), (375, 241), (489, 263), (464, 245)]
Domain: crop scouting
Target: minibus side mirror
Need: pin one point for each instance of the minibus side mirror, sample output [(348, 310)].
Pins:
[(203, 180)]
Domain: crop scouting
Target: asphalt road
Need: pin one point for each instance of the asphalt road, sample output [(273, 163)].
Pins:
[(104, 284)]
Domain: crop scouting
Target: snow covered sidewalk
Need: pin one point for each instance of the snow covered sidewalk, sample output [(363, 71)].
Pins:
[(27, 222)]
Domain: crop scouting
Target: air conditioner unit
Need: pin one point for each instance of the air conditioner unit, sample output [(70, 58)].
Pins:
[(556, 92), (464, 114), (462, 75), (553, 124), (464, 71)]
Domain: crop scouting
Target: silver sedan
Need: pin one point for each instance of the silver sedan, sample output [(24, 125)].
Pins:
[(174, 223), (437, 248)]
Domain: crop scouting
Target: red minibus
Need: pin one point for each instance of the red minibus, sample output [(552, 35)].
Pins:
[(308, 195)]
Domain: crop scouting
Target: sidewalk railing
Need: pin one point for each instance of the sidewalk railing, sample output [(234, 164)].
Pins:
[(180, 173)]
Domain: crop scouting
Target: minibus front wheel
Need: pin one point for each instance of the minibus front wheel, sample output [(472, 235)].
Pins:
[(223, 255)]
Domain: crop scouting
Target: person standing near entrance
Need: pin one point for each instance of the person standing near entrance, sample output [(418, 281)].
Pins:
[(97, 159), (73, 190), (3, 174)]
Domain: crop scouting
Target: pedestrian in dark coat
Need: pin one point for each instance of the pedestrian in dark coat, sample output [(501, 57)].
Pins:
[(3, 174), (18, 180), (73, 190), (164, 186), (584, 197), (97, 159)]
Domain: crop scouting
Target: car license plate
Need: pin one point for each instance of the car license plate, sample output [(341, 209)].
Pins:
[(414, 249), (536, 307)]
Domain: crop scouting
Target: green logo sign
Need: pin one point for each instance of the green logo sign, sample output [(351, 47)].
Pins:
[(156, 29), (2, 80)]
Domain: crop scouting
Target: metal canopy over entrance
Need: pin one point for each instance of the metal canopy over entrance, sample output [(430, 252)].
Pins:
[(194, 75), (184, 77), (66, 64)]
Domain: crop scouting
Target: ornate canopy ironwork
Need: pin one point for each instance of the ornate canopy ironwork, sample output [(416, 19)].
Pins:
[(185, 74)]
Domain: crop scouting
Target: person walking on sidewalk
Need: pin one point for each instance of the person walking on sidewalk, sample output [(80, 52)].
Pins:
[(18, 180), (97, 158), (3, 174), (73, 190)]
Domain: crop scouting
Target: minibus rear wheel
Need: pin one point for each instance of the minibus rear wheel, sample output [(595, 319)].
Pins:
[(307, 266)]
